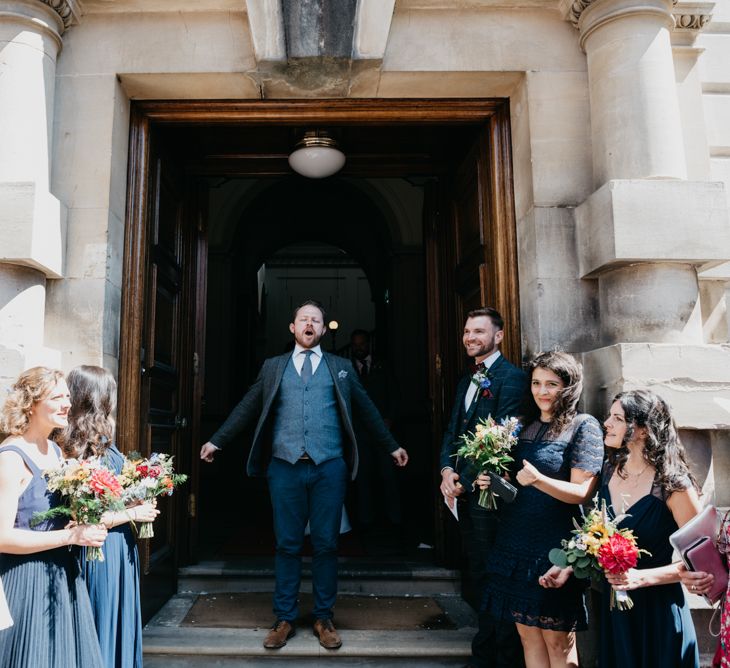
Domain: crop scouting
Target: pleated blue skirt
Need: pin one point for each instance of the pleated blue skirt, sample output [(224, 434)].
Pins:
[(52, 622), (113, 586)]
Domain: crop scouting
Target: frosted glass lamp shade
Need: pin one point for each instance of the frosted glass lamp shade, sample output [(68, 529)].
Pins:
[(317, 156)]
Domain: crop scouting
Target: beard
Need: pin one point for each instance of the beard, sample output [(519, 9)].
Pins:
[(308, 341)]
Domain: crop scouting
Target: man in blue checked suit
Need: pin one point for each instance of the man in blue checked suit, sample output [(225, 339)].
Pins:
[(304, 443), (491, 386)]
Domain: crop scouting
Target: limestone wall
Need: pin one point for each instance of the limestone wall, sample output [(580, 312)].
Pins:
[(595, 172)]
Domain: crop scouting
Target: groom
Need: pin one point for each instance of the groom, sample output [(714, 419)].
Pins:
[(305, 444)]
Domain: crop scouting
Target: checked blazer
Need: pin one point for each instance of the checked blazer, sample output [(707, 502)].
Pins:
[(508, 388), (258, 402)]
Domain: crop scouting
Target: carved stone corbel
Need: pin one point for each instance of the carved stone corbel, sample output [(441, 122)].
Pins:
[(690, 18)]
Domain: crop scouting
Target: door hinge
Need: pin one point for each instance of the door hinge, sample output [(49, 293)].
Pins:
[(192, 505)]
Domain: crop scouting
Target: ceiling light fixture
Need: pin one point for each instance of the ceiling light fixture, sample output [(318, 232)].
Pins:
[(316, 155)]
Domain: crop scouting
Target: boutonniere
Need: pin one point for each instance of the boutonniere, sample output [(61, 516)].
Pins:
[(342, 374), (481, 379)]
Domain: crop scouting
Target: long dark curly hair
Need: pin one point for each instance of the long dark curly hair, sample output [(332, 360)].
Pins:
[(90, 427), (570, 371), (662, 447)]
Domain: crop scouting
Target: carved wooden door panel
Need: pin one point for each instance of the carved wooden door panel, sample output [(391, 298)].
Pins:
[(168, 368), (458, 253)]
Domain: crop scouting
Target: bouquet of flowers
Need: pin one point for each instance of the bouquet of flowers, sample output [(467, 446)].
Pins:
[(88, 490), (146, 479), (488, 449), (597, 547)]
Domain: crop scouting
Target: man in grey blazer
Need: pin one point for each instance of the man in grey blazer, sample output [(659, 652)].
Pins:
[(304, 443)]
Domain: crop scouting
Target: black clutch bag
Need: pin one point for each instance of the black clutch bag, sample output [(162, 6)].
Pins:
[(504, 490)]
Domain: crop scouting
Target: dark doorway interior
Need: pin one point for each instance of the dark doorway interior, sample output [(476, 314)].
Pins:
[(341, 242)]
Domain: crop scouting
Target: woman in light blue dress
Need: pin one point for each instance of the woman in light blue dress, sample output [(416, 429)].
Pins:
[(113, 584)]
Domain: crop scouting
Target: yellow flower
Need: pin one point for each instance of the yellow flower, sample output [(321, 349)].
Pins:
[(599, 531)]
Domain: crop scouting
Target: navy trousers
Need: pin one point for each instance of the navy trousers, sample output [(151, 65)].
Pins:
[(300, 493)]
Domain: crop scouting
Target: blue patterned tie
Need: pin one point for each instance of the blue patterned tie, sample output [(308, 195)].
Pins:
[(307, 367)]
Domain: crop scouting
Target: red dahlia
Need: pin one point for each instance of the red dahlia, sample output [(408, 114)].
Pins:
[(618, 554)]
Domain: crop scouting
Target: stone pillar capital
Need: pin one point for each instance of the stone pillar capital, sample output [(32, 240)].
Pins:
[(589, 15), (68, 11), (46, 17)]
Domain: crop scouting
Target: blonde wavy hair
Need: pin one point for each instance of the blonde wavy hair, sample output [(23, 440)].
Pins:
[(32, 386)]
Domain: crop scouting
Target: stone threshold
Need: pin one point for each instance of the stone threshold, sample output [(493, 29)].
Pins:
[(348, 568)]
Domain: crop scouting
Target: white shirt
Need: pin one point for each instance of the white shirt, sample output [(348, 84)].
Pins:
[(298, 357), (472, 389)]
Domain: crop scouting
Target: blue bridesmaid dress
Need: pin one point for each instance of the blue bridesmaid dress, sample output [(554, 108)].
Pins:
[(52, 622), (658, 630), (113, 586)]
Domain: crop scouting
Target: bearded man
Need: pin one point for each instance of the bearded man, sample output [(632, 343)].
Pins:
[(304, 443)]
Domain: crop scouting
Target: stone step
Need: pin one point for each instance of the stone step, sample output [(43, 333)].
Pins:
[(176, 647), (356, 576), (170, 643)]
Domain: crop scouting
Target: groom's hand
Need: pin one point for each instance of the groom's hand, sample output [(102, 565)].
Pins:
[(207, 452), (400, 456), (450, 485)]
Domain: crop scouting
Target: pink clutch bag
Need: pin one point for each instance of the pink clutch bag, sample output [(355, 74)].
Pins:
[(703, 556)]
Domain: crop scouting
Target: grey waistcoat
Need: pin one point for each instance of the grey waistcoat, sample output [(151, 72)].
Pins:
[(307, 418)]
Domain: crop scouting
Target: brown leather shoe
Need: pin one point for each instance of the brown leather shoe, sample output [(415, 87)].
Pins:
[(325, 630), (280, 632)]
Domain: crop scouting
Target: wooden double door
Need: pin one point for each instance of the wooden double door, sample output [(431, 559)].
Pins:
[(469, 246)]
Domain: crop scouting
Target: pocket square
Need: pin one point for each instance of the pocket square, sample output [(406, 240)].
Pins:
[(342, 374)]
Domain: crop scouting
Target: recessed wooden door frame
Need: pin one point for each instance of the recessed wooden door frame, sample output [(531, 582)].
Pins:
[(500, 254)]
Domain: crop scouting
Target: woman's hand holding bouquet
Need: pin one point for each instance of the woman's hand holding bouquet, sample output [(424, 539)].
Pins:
[(598, 547), (144, 480), (488, 449), (88, 489)]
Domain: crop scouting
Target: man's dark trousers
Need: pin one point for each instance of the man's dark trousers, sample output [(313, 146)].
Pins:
[(496, 643), (303, 492)]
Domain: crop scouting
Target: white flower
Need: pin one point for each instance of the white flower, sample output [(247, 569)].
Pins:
[(342, 374)]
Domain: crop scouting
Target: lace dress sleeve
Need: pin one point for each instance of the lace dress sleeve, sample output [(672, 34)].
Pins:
[(586, 446)]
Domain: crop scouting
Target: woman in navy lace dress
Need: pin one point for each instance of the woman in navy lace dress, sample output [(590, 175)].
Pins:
[(557, 460), (52, 621), (113, 584)]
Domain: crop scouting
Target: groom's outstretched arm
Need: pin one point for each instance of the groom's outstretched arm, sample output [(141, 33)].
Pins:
[(245, 411)]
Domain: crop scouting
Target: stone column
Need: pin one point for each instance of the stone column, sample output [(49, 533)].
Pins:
[(637, 132), (31, 229), (646, 229)]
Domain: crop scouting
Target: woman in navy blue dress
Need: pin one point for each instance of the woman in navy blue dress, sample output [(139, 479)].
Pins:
[(647, 476), (557, 461), (52, 621), (113, 584)]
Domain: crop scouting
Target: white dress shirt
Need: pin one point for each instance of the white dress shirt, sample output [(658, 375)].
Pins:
[(471, 391), (298, 357)]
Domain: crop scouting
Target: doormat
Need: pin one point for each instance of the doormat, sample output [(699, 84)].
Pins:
[(367, 613)]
